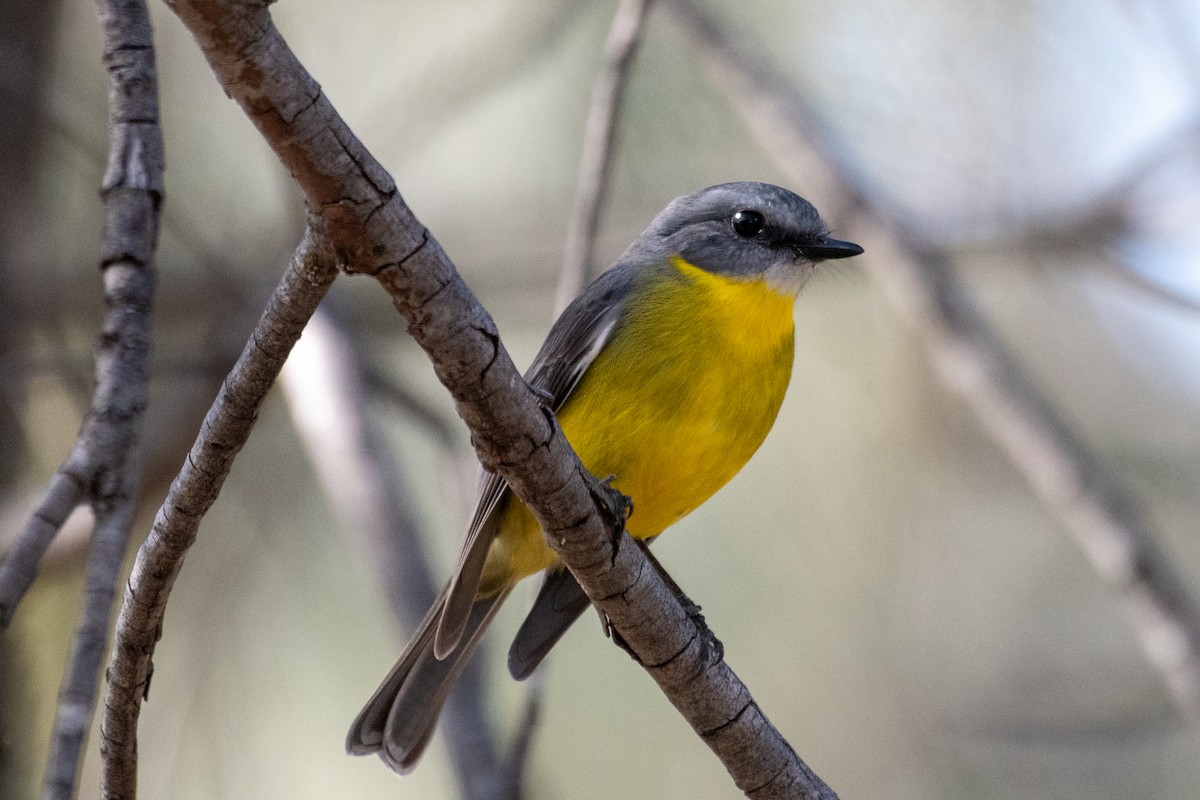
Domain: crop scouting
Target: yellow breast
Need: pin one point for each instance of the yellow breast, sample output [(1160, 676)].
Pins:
[(674, 405)]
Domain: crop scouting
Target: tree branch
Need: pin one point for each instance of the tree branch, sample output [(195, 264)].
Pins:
[(1072, 483), (518, 754), (20, 568), (77, 696), (372, 231), (225, 429), (599, 140), (104, 466)]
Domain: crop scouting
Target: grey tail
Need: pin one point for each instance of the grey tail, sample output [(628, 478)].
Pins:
[(398, 721), (559, 603)]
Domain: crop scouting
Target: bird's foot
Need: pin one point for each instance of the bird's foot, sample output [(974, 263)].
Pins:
[(614, 507), (711, 647)]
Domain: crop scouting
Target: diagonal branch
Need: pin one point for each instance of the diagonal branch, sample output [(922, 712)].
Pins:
[(1072, 483), (66, 491), (599, 141), (225, 429), (372, 231)]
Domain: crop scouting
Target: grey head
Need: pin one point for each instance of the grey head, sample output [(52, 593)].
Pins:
[(742, 230)]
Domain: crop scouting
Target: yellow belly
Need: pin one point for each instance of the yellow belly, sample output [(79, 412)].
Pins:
[(672, 408)]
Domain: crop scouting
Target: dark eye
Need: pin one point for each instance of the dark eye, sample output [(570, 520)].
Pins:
[(748, 222)]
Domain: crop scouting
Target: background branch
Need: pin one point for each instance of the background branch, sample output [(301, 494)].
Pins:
[(916, 278), (1071, 483), (381, 384), (599, 141), (105, 465), (20, 568)]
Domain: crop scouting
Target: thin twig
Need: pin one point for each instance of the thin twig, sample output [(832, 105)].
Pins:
[(77, 696), (1071, 482), (599, 139), (325, 383), (1152, 286), (66, 490), (373, 231), (224, 431), (595, 170)]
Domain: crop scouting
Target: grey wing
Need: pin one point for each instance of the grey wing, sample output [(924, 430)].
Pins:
[(572, 345), (579, 335)]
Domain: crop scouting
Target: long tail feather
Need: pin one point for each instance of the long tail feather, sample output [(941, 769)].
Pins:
[(398, 721), (459, 596)]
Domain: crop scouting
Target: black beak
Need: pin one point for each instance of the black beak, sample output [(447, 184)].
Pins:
[(825, 248)]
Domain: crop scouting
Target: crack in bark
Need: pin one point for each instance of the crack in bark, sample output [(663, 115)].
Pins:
[(396, 265), (671, 659), (492, 336), (731, 721), (783, 768), (623, 592)]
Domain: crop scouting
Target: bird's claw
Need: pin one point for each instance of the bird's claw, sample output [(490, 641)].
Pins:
[(614, 506), (712, 648)]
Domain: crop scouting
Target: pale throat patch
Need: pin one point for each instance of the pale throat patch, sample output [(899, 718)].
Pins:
[(789, 279)]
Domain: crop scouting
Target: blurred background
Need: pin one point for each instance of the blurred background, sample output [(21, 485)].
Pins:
[(884, 580)]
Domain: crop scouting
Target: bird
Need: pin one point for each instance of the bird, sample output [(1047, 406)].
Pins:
[(666, 374)]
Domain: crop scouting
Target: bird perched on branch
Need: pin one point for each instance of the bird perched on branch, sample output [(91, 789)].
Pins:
[(666, 374)]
